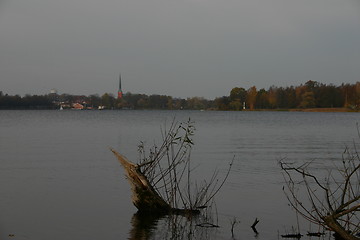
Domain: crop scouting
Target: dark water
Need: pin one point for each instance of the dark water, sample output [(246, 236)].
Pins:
[(58, 179)]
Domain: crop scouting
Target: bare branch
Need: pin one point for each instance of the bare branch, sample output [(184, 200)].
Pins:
[(166, 172), (341, 189)]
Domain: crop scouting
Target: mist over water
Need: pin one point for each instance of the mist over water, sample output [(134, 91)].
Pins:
[(58, 179)]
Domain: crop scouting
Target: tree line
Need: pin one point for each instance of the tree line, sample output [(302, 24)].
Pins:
[(26, 102), (312, 94)]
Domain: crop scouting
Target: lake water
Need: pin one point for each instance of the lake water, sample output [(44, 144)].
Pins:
[(58, 179)]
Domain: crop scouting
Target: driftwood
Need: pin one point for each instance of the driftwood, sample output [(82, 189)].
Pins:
[(144, 196), (161, 180)]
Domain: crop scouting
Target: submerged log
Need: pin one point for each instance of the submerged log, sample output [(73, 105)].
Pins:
[(144, 196), (292, 235)]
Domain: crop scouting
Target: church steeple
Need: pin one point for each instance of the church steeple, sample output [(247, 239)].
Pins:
[(120, 93)]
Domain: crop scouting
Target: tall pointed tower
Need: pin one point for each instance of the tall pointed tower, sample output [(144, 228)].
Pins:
[(120, 93)]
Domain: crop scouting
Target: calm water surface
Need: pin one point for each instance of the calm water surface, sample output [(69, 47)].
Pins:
[(58, 179)]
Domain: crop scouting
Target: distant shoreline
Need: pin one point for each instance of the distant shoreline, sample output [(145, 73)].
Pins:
[(307, 110), (323, 110), (246, 110)]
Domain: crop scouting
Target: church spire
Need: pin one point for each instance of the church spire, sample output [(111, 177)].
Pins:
[(120, 93)]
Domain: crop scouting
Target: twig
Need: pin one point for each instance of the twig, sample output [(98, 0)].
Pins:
[(233, 223), (253, 226)]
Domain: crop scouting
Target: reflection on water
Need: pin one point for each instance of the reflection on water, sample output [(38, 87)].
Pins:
[(143, 225), (146, 226)]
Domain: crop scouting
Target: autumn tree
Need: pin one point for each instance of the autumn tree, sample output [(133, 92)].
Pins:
[(262, 101), (158, 101), (222, 103), (311, 85), (170, 103), (130, 100), (291, 97), (179, 103), (272, 97), (142, 103), (305, 95), (238, 94), (357, 95), (251, 97), (237, 98), (307, 100), (196, 103), (281, 98), (329, 96)]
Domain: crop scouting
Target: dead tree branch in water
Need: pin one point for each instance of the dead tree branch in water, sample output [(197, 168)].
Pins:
[(253, 226), (333, 202), (161, 181)]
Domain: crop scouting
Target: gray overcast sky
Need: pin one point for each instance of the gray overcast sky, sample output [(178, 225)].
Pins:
[(182, 48)]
